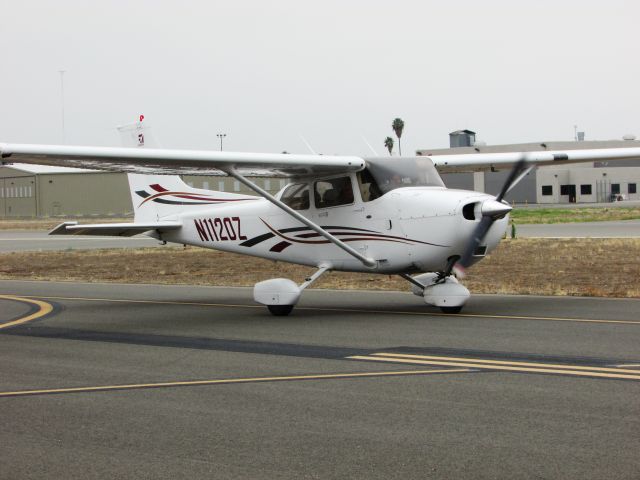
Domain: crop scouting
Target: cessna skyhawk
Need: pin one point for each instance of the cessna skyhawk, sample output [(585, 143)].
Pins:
[(374, 215)]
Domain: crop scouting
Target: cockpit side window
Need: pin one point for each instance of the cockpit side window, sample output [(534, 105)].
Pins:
[(333, 192), (369, 189), (296, 196)]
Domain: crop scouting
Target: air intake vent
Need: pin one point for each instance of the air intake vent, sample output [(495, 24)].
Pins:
[(468, 211)]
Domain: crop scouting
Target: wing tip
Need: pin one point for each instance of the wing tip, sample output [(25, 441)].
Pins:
[(4, 150)]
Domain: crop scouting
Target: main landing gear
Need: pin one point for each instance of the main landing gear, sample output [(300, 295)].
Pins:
[(280, 310), (280, 295), (444, 292)]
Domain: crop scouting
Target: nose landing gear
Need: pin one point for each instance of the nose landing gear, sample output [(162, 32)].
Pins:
[(444, 292)]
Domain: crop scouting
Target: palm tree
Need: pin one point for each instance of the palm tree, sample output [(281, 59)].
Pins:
[(388, 142), (398, 126)]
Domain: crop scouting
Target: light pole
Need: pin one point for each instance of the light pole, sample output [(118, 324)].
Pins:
[(221, 136), (62, 72)]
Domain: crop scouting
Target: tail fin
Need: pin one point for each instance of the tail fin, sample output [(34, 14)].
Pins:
[(137, 134), (164, 197)]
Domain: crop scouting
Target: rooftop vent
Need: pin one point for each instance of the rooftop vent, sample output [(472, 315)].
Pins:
[(462, 138)]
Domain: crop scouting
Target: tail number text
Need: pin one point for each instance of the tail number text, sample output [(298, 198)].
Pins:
[(219, 229)]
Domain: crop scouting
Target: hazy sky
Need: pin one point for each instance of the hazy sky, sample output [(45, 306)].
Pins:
[(266, 72)]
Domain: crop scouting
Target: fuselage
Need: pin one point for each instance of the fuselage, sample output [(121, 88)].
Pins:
[(405, 230)]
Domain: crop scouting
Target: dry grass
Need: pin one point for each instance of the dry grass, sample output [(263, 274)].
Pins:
[(591, 267)]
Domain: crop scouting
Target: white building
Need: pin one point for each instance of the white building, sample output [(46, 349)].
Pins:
[(593, 182)]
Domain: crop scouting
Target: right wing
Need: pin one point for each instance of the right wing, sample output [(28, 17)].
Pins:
[(178, 162), (113, 229), (477, 162)]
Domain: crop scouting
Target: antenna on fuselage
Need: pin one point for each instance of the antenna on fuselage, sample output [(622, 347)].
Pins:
[(307, 144), (369, 145)]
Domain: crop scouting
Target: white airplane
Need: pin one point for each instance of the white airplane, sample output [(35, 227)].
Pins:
[(374, 215)]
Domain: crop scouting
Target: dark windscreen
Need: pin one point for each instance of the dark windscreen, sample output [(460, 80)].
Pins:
[(391, 173)]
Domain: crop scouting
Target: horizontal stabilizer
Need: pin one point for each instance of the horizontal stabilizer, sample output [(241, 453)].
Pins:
[(113, 229)]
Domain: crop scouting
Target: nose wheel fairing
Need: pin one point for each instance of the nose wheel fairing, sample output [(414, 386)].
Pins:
[(446, 293)]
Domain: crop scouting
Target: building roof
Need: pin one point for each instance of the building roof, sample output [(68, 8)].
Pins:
[(531, 147), (463, 132), (42, 169)]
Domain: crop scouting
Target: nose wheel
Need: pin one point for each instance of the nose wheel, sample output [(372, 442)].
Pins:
[(445, 293)]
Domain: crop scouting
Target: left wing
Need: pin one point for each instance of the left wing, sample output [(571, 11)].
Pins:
[(477, 162), (178, 162)]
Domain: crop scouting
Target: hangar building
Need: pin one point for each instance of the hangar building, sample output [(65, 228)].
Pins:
[(45, 191)]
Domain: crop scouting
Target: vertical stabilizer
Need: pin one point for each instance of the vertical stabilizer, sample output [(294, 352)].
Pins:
[(165, 197), (137, 134)]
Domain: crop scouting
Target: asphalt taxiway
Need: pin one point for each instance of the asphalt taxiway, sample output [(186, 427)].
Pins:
[(108, 380)]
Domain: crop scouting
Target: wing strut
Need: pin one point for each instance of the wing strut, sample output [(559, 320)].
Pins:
[(369, 262)]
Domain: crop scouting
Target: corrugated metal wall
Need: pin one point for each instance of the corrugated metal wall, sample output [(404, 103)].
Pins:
[(17, 193)]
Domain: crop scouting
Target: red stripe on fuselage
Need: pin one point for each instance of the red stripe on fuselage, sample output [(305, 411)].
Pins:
[(206, 198)]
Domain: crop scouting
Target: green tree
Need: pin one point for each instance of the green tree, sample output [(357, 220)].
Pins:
[(388, 142), (398, 126)]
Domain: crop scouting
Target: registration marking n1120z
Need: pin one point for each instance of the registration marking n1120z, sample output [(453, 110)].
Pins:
[(219, 229)]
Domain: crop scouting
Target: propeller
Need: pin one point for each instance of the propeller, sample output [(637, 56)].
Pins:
[(491, 210)]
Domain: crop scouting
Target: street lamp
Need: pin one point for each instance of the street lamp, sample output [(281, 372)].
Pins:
[(62, 72), (221, 136)]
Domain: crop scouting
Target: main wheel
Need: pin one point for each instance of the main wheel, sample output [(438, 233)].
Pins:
[(451, 309), (280, 310)]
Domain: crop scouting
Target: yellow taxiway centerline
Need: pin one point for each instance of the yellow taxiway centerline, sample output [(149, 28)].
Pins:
[(44, 309), (135, 386), (509, 368), (500, 362), (352, 310)]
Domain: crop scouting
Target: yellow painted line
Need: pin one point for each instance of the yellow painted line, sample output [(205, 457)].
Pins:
[(152, 302), (353, 310), (570, 372), (628, 365), (135, 386), (498, 362), (44, 309)]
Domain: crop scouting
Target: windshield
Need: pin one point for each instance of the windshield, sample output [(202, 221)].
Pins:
[(391, 173)]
